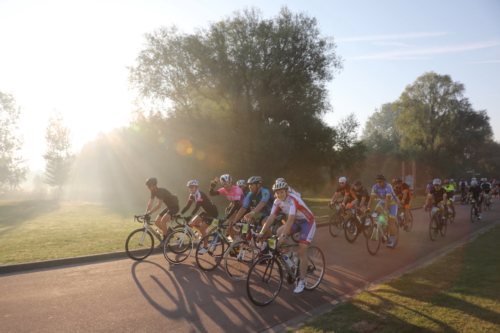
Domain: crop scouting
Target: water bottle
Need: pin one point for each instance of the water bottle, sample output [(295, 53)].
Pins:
[(288, 261), (382, 220), (295, 260)]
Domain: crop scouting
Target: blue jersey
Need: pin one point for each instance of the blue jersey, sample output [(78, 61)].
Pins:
[(252, 200), (385, 191)]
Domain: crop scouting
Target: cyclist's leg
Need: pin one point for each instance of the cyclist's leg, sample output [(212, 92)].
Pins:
[(234, 232), (407, 206), (263, 221), (393, 211), (307, 231)]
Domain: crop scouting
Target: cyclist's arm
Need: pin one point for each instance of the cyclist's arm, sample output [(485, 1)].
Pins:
[(387, 201), (288, 224), (268, 223), (335, 197), (212, 190), (236, 204), (156, 208), (372, 197), (259, 207), (185, 209), (428, 200), (363, 200)]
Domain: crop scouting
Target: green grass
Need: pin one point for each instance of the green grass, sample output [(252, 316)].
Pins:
[(459, 292), (41, 230)]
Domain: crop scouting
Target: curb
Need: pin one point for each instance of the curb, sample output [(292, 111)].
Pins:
[(295, 323), (54, 263)]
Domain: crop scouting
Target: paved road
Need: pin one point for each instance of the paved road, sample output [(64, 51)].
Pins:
[(152, 296)]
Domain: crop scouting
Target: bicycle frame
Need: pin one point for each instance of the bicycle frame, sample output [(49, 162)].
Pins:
[(147, 226)]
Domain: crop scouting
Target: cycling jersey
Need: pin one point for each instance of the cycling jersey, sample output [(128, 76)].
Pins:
[(360, 194), (385, 191), (437, 195), (486, 187), (450, 191), (346, 190), (252, 200), (293, 205), (430, 187), (476, 192), (203, 202), (292, 191), (164, 195), (400, 189), (463, 185), (234, 194)]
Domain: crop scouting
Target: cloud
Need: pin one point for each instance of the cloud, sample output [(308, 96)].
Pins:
[(386, 37), (484, 62), (392, 44), (399, 54)]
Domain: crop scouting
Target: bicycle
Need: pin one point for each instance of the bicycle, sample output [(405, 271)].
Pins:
[(487, 202), (179, 244), (401, 221), (140, 243), (358, 223), (218, 243), (379, 232), (474, 212), (265, 277), (240, 256), (437, 223), (337, 221), (448, 214), (278, 221), (463, 198)]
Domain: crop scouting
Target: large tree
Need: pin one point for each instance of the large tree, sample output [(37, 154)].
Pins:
[(58, 156), (13, 167), (248, 89)]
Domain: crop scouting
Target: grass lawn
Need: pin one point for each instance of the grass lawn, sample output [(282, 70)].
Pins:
[(459, 292)]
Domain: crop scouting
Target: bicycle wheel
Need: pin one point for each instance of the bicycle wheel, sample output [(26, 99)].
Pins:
[(213, 257), (264, 280), (396, 236), (473, 215), (374, 239), (444, 226), (238, 265), (178, 246), (368, 223), (335, 224), (408, 225), (433, 227), (315, 267), (139, 244), (351, 230), (451, 218)]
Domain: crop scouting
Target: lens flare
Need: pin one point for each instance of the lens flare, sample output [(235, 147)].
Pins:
[(184, 147)]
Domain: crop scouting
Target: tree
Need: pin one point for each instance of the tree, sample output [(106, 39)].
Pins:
[(381, 134), (248, 88), (58, 156), (13, 167)]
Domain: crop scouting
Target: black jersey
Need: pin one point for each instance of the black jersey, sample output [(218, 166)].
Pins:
[(360, 194), (203, 202), (476, 192), (437, 195), (164, 195)]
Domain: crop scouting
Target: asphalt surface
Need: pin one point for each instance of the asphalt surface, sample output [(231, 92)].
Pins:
[(154, 296)]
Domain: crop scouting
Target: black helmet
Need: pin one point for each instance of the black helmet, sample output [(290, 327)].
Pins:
[(379, 177), (358, 183), (151, 182)]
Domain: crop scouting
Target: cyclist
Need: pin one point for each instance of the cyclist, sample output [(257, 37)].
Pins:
[(454, 183), (208, 209), (404, 195), (450, 194), (476, 193), (342, 191), (300, 218), (388, 202), (235, 196), (243, 186), (437, 197), (258, 200), (429, 187), (360, 197), (290, 189), (164, 196), (463, 185), (486, 187)]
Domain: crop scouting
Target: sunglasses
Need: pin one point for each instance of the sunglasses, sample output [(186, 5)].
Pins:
[(380, 181), (341, 183), (226, 183)]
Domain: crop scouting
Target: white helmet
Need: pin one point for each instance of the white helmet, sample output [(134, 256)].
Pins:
[(225, 178), (474, 179), (342, 180), (241, 183), (474, 182), (452, 180), (436, 182), (280, 185), (279, 180), (192, 183), (483, 179)]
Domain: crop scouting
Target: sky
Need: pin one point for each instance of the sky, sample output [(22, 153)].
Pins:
[(73, 55)]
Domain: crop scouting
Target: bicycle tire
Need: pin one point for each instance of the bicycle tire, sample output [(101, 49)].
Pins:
[(315, 267), (433, 228), (335, 224), (140, 251), (178, 246), (264, 280), (374, 239), (473, 214), (451, 218), (237, 268), (351, 230), (366, 228), (408, 225), (213, 257), (444, 227)]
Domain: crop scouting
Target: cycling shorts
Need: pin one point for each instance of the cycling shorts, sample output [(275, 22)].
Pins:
[(170, 210), (306, 228), (393, 209), (213, 213)]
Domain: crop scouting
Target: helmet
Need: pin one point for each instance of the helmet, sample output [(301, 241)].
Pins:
[(192, 183), (446, 181), (225, 178), (483, 179), (436, 182), (379, 177), (474, 179), (398, 180), (255, 180), (342, 180), (474, 182), (279, 180), (429, 182), (241, 183), (358, 183), (452, 180), (279, 186), (151, 182)]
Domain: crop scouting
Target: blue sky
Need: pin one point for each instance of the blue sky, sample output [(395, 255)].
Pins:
[(72, 55)]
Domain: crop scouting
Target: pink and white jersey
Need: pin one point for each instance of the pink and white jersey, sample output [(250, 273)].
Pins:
[(293, 205), (235, 194)]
